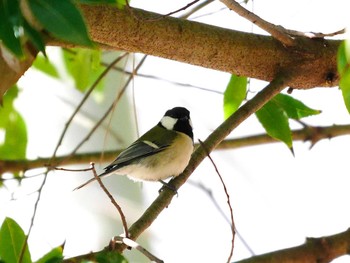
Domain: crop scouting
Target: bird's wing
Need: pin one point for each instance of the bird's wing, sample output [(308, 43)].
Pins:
[(135, 151)]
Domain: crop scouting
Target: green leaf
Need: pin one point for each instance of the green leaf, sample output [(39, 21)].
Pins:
[(97, 1), (110, 256), (275, 121), (294, 108), (343, 58), (234, 94), (84, 66), (12, 241), (342, 61), (44, 65), (13, 127), (344, 85), (34, 36), (54, 256), (118, 3), (10, 21), (62, 19)]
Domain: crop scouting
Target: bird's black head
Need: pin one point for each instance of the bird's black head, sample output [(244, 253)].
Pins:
[(178, 119)]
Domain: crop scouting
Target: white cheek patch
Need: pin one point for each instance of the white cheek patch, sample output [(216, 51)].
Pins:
[(168, 122), (190, 122)]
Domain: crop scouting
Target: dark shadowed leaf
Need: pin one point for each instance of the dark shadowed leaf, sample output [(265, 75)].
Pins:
[(62, 19), (34, 36), (10, 21)]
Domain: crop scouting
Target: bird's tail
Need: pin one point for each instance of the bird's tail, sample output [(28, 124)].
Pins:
[(82, 185)]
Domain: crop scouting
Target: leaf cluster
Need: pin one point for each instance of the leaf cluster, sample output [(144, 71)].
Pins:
[(274, 115), (60, 19)]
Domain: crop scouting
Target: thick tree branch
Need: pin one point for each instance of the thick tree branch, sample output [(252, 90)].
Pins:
[(11, 68), (165, 196), (246, 54), (310, 133), (320, 250)]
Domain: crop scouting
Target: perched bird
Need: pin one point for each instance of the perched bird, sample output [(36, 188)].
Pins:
[(160, 153)]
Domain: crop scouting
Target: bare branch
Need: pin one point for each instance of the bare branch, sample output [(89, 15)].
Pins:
[(228, 201), (117, 206), (274, 30), (133, 244), (322, 250), (165, 197), (87, 94), (35, 210), (309, 133)]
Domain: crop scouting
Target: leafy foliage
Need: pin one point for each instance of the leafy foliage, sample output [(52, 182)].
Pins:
[(84, 66), (44, 65), (344, 71), (110, 256), (275, 114), (62, 19), (53, 256), (12, 241), (10, 19), (13, 128), (234, 94), (275, 122)]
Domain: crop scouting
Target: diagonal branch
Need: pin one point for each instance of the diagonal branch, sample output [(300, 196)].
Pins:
[(321, 250), (274, 30), (165, 197), (213, 140)]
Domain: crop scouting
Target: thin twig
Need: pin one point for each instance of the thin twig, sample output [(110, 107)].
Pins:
[(159, 17), (274, 30), (109, 110), (181, 9), (135, 245), (58, 145), (119, 209), (86, 96), (313, 34), (72, 170), (217, 206), (228, 200), (196, 9), (25, 244), (148, 76)]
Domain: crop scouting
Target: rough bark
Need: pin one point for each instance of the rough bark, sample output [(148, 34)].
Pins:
[(246, 54)]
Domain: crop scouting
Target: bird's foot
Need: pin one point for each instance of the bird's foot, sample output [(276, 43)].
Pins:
[(167, 185)]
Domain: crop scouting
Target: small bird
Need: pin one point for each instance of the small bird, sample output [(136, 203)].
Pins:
[(160, 153)]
